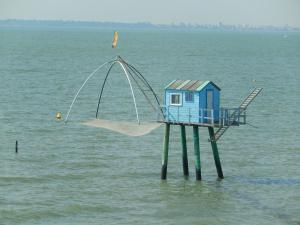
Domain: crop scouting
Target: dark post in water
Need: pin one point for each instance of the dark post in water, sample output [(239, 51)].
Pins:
[(185, 163), (215, 152), (165, 153), (197, 152)]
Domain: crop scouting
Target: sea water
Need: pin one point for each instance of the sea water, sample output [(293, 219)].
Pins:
[(73, 174)]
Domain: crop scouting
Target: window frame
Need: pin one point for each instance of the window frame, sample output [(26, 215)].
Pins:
[(180, 99), (187, 94)]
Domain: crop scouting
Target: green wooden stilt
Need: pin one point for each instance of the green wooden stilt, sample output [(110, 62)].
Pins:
[(185, 163), (165, 153), (197, 152), (215, 152)]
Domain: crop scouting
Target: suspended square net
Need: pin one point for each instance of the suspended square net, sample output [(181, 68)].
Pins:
[(127, 128)]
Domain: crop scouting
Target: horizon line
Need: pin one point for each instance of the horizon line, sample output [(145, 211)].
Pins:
[(160, 25)]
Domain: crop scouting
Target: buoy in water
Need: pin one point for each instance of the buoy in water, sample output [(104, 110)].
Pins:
[(58, 116)]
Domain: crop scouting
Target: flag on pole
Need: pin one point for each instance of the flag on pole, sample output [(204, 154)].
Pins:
[(115, 40)]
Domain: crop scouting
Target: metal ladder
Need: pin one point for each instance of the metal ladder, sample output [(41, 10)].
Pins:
[(250, 98), (243, 106)]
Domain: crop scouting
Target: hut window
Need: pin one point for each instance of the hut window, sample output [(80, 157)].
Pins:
[(175, 99), (189, 97)]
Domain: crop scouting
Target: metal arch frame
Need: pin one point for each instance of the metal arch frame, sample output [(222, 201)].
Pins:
[(129, 71), (130, 85), (143, 79), (132, 92), (102, 88), (140, 87), (86, 80)]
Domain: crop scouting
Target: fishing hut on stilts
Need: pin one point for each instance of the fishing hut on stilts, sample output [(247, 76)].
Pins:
[(195, 103), (187, 103)]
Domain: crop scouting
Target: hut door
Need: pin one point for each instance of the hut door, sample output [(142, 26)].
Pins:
[(209, 104)]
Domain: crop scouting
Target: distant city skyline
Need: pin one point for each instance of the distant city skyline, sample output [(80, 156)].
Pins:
[(230, 12), (14, 23)]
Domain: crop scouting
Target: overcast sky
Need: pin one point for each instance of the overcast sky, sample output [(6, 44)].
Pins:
[(252, 12)]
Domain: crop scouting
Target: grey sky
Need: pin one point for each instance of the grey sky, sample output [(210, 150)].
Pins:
[(253, 12)]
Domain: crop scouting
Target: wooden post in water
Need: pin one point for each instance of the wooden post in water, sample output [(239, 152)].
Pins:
[(185, 163), (215, 152), (165, 153), (197, 152), (16, 146)]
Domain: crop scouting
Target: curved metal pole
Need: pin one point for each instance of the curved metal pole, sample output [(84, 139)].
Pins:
[(139, 86), (143, 78), (136, 110), (102, 88), (90, 76), (138, 73), (133, 69), (128, 79)]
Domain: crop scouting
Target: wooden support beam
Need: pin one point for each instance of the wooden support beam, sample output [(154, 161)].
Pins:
[(215, 152), (197, 152), (185, 162), (165, 153)]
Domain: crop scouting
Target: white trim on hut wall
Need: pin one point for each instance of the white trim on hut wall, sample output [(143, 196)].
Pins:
[(180, 99)]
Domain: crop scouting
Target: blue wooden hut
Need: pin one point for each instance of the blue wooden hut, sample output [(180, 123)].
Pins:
[(192, 101)]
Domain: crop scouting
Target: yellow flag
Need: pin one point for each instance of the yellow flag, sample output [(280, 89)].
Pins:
[(115, 40)]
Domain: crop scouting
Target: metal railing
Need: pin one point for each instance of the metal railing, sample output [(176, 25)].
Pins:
[(213, 117)]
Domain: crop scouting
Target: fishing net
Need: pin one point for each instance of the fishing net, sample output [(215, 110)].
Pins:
[(136, 81), (127, 128)]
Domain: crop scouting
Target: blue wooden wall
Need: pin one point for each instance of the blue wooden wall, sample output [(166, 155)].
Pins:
[(216, 99), (181, 113)]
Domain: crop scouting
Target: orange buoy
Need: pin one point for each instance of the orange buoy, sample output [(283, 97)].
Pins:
[(58, 116)]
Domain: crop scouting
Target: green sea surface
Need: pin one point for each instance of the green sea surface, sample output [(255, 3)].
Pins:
[(74, 174)]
